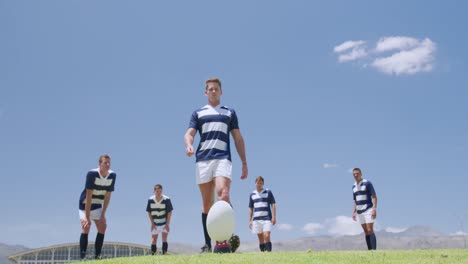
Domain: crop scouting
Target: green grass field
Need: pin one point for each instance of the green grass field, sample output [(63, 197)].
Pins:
[(329, 257)]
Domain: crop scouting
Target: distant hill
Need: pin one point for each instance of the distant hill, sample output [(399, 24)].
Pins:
[(417, 237), (8, 250)]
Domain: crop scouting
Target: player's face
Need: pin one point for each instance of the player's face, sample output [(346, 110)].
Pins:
[(104, 164), (213, 91), (357, 175), (259, 185), (158, 191)]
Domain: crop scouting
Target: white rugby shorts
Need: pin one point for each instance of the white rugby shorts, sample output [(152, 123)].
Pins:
[(159, 229), (260, 226), (94, 214), (208, 169), (366, 217)]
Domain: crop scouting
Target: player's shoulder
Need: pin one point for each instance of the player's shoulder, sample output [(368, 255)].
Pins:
[(165, 197), (151, 198), (93, 172)]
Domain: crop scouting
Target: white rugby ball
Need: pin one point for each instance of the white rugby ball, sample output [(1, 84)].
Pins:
[(220, 221)]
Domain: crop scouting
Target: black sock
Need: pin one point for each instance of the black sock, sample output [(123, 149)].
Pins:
[(205, 230), (369, 247), (262, 247), (153, 249), (98, 244), (373, 241), (83, 245), (268, 246), (164, 247)]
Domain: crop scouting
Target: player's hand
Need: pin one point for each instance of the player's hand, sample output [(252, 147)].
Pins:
[(168, 228), (153, 227), (250, 224), (86, 222), (189, 151), (273, 221), (245, 171), (374, 213), (354, 216)]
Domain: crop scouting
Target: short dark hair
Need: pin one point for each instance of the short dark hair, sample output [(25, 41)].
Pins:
[(104, 156), (259, 178), (357, 169), (215, 80), (158, 186)]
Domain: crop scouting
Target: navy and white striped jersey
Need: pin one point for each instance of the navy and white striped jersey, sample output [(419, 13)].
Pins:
[(261, 202), (100, 186), (159, 210), (362, 194), (214, 125)]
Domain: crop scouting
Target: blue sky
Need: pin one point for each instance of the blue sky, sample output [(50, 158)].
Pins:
[(319, 88)]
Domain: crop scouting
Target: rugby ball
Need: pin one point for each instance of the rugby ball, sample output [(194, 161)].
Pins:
[(220, 221)]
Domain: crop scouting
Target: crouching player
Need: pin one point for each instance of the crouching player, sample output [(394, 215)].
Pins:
[(262, 213), (159, 208)]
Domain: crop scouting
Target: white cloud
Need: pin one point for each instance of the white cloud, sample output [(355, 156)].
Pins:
[(312, 228), (459, 233), (285, 227), (348, 45), (417, 59), (343, 225), (398, 42), (395, 229), (329, 165), (408, 55), (354, 49)]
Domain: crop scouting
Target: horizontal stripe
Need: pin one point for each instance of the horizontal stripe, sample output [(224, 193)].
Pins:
[(213, 144), (215, 126), (102, 182), (97, 201), (99, 192), (159, 221), (158, 206), (158, 213), (361, 197), (261, 204), (361, 207)]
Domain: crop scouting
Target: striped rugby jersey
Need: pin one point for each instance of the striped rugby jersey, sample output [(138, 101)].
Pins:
[(214, 125), (261, 202), (100, 186), (362, 194), (159, 210)]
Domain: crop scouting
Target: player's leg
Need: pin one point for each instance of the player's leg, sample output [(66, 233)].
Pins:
[(372, 238), (261, 242), (101, 225), (222, 188), (164, 240), (267, 225), (154, 241), (204, 178), (84, 235), (207, 194)]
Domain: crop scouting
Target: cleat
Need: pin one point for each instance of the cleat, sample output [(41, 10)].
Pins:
[(205, 249), (234, 243), (222, 247)]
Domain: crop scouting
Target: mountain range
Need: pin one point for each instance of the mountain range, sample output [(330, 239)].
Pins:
[(417, 237)]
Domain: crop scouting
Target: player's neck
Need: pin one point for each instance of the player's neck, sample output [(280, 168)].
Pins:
[(214, 103), (158, 198), (103, 172)]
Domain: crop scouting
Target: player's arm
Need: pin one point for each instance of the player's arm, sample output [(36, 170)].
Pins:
[(168, 221), (250, 217), (188, 140), (273, 213), (354, 210), (240, 147), (89, 199), (374, 208), (107, 198), (150, 216)]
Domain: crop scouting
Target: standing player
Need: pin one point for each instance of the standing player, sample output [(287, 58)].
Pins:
[(215, 123), (93, 204), (262, 214), (365, 206), (159, 208)]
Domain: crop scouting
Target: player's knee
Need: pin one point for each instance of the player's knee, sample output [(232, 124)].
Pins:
[(224, 195)]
